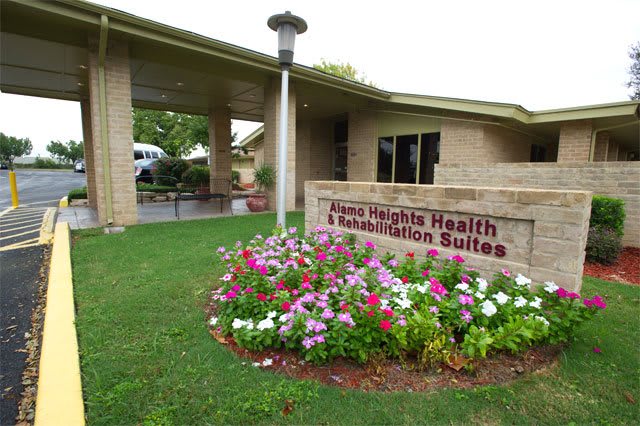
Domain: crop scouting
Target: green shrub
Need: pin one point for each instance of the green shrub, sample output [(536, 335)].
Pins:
[(608, 213), (235, 176), (603, 245), (170, 166), (77, 194), (264, 176), (46, 163), (197, 176), (148, 187)]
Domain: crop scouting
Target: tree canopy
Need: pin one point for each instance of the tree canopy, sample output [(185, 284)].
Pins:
[(343, 70), (66, 152), (634, 72), (176, 133), (12, 148)]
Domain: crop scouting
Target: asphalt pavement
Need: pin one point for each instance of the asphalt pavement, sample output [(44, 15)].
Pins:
[(21, 260)]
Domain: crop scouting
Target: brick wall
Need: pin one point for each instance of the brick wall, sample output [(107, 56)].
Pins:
[(90, 171), (575, 141), (613, 179), (321, 150), (220, 143), (120, 133), (303, 157), (467, 142), (543, 233), (601, 150), (363, 133)]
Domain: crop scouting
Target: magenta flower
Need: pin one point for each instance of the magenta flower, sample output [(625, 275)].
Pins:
[(235, 288), (385, 325), (505, 272), (597, 350), (425, 272), (456, 258), (321, 256), (249, 290), (373, 299), (370, 245), (466, 315), (433, 252), (230, 295), (263, 270), (465, 299)]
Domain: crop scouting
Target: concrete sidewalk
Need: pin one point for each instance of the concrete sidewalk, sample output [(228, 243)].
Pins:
[(86, 217)]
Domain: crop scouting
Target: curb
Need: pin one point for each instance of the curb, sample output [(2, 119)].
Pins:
[(64, 202), (59, 400), (48, 222)]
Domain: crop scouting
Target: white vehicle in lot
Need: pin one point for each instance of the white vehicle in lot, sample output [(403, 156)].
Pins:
[(144, 150)]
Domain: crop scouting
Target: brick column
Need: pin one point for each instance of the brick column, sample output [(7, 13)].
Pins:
[(303, 157), (220, 143), (574, 142), (602, 147), (87, 136), (119, 133), (361, 145), (271, 138)]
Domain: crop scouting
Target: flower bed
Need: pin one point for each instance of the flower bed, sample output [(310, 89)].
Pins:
[(326, 297)]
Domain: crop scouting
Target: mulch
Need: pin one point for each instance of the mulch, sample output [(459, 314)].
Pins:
[(625, 270)]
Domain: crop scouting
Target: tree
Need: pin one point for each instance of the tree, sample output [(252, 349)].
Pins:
[(67, 152), (176, 133), (12, 147), (634, 72), (343, 70)]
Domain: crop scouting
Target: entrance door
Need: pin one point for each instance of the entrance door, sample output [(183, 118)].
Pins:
[(429, 156), (340, 162)]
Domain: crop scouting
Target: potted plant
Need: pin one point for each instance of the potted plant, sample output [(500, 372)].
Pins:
[(197, 177), (264, 177)]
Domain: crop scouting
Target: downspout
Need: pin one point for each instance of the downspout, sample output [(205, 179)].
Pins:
[(104, 131), (594, 134)]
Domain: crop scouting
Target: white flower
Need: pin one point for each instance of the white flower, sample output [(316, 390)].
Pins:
[(403, 303), (488, 308), (238, 323), (267, 362), (284, 317), (482, 284), (501, 298), (536, 303), (226, 277), (520, 302), (462, 286), (543, 319), (479, 295), (550, 287), (213, 321), (384, 303), (265, 324), (272, 314), (256, 364), (421, 288), (249, 324), (523, 281)]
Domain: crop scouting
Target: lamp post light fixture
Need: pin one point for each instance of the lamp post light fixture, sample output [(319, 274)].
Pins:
[(287, 26)]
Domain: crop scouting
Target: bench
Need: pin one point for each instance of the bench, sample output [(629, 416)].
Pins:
[(220, 190)]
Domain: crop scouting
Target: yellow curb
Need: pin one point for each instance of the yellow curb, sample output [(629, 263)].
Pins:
[(64, 202), (48, 222), (59, 400)]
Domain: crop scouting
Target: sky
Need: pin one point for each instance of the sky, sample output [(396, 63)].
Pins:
[(542, 55)]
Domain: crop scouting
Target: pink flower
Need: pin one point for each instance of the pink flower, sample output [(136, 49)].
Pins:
[(370, 245), (373, 299), (366, 260), (230, 295), (433, 252), (505, 272), (235, 288), (249, 290), (285, 306), (425, 272), (597, 350), (385, 325), (388, 312), (599, 302), (562, 293), (263, 270), (466, 315), (321, 256), (456, 258), (261, 297), (465, 299)]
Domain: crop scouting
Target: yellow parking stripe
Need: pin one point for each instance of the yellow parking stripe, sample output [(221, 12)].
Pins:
[(37, 225), (23, 244), (19, 235), (4, 224), (24, 215)]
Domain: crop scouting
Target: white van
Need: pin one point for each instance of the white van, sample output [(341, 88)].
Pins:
[(142, 151)]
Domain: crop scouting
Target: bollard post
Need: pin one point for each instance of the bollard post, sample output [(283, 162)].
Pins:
[(14, 189)]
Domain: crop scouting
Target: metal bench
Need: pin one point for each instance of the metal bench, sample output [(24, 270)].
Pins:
[(220, 190)]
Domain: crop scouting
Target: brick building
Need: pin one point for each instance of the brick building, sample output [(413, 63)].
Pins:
[(109, 60)]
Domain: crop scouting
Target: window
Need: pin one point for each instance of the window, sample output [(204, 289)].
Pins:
[(408, 158), (154, 154), (538, 153), (385, 159), (138, 155), (147, 154), (341, 132)]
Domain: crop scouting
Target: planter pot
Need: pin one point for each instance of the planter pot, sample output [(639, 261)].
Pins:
[(257, 202)]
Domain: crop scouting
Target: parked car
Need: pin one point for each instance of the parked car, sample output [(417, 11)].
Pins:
[(145, 151), (144, 170), (78, 166)]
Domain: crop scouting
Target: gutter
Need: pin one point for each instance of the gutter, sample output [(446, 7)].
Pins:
[(594, 135), (104, 131)]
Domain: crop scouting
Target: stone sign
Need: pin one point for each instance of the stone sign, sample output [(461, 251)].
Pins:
[(540, 234)]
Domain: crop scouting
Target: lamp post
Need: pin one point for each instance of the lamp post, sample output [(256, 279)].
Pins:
[(287, 26)]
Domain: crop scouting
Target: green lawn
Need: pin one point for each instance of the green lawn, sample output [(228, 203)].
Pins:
[(147, 356)]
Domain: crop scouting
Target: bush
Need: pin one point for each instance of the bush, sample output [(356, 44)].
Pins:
[(604, 245), (77, 194), (326, 297), (235, 176), (264, 176), (148, 187), (170, 166), (197, 176), (44, 163), (608, 213)]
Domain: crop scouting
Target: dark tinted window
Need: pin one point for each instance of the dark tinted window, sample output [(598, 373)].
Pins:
[(429, 156), (538, 153), (385, 159), (341, 132), (406, 159), (138, 155), (154, 154)]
